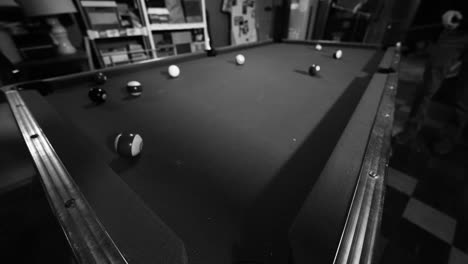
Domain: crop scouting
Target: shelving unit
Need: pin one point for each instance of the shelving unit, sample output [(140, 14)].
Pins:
[(176, 26), (115, 39), (173, 38), (116, 33)]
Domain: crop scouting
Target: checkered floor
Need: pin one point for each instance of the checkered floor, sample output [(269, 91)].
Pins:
[(419, 225), (421, 222)]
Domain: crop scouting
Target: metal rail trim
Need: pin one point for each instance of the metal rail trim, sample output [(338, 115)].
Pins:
[(87, 237), (362, 223)]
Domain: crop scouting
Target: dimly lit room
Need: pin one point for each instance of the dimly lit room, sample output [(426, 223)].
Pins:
[(234, 131)]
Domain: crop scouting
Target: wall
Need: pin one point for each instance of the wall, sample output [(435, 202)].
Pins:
[(219, 21)]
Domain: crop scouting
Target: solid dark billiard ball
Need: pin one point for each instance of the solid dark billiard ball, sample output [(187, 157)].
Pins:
[(100, 78), (97, 95), (338, 54), (314, 70), (128, 144), (211, 52), (134, 88)]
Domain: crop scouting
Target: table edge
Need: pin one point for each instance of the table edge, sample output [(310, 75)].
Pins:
[(335, 43), (373, 169), (128, 68), (359, 235), (89, 240)]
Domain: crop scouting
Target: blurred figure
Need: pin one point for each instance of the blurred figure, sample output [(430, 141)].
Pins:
[(359, 5), (449, 52)]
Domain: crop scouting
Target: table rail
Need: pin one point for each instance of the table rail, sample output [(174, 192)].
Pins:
[(91, 243), (63, 81), (87, 237), (359, 236), (334, 43)]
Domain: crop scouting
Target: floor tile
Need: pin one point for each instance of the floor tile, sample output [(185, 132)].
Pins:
[(380, 247), (397, 129), (400, 101), (411, 160), (461, 240), (435, 184), (431, 220), (394, 206), (413, 245), (439, 187), (461, 233), (399, 160), (401, 181), (405, 109), (405, 92), (399, 122), (457, 257), (411, 73)]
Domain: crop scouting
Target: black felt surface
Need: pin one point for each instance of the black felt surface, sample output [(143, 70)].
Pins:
[(230, 152), (138, 232), (327, 203), (16, 168)]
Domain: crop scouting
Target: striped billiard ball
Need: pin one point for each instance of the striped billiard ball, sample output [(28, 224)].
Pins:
[(128, 144), (134, 88)]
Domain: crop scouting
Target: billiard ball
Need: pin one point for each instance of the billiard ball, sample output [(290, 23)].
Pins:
[(134, 88), (100, 78), (240, 59), (174, 71), (211, 52), (97, 95), (338, 54), (398, 45), (314, 70), (318, 47), (128, 144)]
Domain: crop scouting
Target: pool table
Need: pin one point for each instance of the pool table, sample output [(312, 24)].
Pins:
[(253, 163)]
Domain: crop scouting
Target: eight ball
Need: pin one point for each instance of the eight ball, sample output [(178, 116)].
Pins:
[(97, 95), (314, 70), (211, 52)]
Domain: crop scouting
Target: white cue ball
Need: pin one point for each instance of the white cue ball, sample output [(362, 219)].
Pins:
[(174, 71), (318, 47), (339, 54), (240, 59)]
